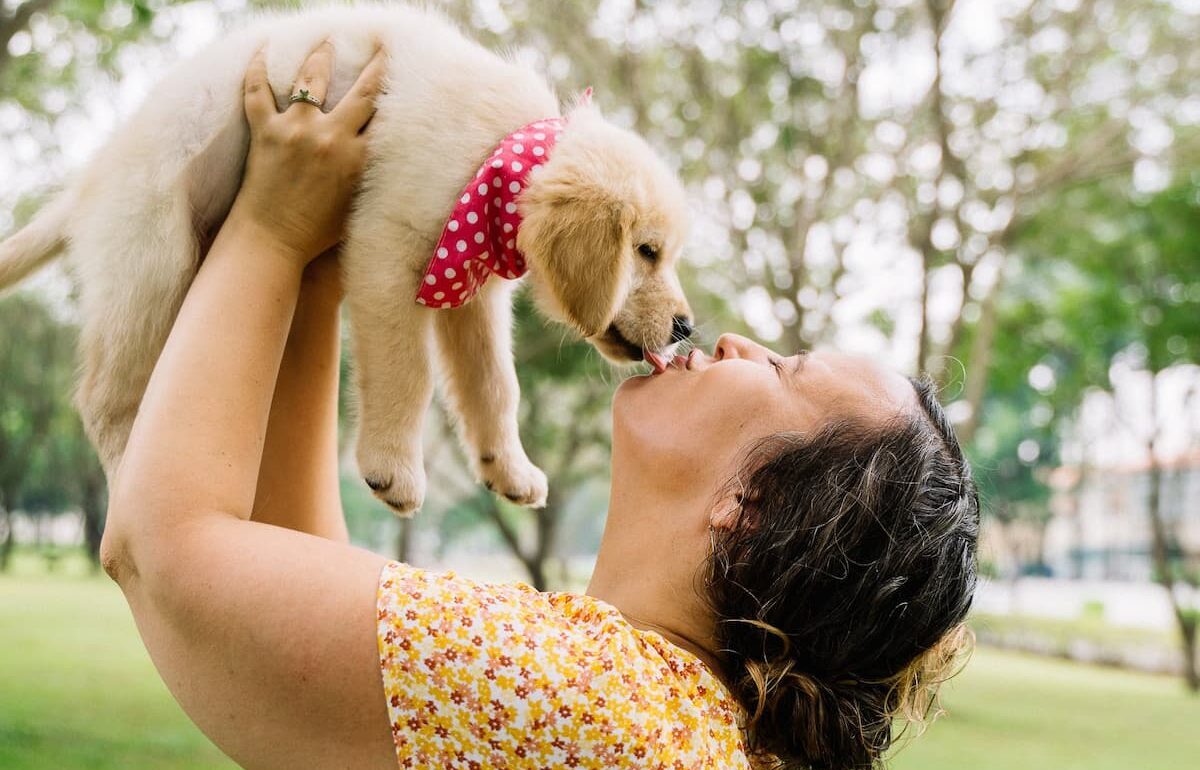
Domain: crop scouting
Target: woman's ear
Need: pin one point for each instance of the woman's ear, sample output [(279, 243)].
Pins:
[(725, 513), (578, 240)]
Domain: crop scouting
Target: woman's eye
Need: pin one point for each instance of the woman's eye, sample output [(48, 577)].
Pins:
[(777, 363), (649, 251)]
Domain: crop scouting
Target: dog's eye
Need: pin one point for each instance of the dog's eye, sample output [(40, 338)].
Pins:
[(649, 251)]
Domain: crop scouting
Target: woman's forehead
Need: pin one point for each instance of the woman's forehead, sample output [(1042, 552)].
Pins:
[(870, 383)]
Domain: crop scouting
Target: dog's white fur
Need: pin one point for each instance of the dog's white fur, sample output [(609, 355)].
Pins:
[(138, 219)]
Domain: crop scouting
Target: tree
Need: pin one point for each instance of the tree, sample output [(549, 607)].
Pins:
[(46, 463), (52, 52), (817, 168), (790, 124), (31, 31), (1117, 279), (58, 63)]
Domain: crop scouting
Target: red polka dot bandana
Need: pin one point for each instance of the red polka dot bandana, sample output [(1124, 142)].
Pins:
[(480, 237)]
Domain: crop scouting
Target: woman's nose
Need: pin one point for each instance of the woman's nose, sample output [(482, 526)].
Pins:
[(737, 346)]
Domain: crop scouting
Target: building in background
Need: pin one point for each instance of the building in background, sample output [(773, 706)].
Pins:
[(1099, 527)]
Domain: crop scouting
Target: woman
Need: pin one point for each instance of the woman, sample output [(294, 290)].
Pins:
[(787, 561)]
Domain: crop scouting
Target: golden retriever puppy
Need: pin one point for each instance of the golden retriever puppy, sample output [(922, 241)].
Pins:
[(601, 224)]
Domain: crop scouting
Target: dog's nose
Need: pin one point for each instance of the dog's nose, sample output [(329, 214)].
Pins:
[(681, 328)]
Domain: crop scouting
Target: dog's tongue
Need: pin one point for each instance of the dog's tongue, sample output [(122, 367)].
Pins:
[(654, 359)]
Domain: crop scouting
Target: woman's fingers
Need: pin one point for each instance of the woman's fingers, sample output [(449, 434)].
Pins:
[(357, 107), (315, 73), (259, 101)]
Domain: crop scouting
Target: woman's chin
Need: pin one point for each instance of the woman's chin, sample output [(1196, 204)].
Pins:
[(644, 396), (634, 382), (632, 393)]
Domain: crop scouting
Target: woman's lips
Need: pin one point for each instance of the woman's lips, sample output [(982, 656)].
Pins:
[(660, 364)]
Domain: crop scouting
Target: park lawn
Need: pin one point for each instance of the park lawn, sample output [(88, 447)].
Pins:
[(77, 692), (77, 689), (1009, 711)]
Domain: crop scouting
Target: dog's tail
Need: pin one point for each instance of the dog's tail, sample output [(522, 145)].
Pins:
[(37, 242)]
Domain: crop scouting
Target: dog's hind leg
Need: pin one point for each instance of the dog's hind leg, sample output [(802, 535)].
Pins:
[(133, 275), (475, 343)]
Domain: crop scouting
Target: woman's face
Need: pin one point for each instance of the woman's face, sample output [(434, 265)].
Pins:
[(687, 425)]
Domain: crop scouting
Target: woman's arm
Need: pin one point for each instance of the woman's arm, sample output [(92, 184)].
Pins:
[(298, 479), (266, 636)]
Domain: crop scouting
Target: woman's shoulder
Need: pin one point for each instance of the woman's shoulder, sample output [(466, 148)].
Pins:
[(556, 668), (647, 657), (592, 632)]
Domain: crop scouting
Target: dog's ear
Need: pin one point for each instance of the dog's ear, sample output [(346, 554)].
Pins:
[(578, 240)]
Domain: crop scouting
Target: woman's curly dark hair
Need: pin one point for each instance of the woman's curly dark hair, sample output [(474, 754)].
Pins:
[(841, 587)]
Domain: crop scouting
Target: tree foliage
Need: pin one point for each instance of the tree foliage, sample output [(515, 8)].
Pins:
[(46, 463), (937, 181), (1106, 276)]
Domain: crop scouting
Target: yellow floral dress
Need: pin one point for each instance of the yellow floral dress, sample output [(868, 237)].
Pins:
[(482, 676)]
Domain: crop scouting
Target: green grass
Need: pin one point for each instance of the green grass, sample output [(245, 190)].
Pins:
[(77, 692), (1008, 711), (77, 689)]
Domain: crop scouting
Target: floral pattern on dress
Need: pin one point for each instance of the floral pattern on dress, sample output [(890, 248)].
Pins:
[(482, 676)]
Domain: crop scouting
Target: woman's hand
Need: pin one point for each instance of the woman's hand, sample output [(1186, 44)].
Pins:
[(304, 164), (266, 635)]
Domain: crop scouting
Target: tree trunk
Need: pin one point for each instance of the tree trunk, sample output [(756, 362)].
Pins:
[(404, 541), (975, 387), (6, 544), (94, 506), (923, 330), (1164, 569), (1187, 637), (537, 573), (547, 532), (938, 11), (1164, 572)]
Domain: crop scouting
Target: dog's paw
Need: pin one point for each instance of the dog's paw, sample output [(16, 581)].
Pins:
[(514, 478), (399, 484)]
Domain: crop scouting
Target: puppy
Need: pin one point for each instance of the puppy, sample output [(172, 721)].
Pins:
[(595, 218)]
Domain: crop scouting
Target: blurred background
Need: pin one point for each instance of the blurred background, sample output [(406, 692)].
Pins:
[(1004, 194)]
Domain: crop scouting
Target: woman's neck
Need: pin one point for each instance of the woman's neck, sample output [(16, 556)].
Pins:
[(649, 565)]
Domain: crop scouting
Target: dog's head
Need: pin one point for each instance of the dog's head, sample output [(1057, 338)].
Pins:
[(603, 224)]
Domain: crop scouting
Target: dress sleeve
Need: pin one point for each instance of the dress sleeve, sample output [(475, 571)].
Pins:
[(480, 675)]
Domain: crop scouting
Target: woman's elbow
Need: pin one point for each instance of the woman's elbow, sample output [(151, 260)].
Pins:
[(158, 548), (136, 532), (115, 553), (116, 547), (137, 529)]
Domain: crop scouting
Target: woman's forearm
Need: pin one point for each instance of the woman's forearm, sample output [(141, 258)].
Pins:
[(298, 479), (198, 439)]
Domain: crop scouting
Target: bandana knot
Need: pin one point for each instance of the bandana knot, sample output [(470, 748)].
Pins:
[(480, 237)]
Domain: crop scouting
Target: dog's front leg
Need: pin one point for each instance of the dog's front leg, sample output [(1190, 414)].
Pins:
[(391, 336), (475, 342)]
